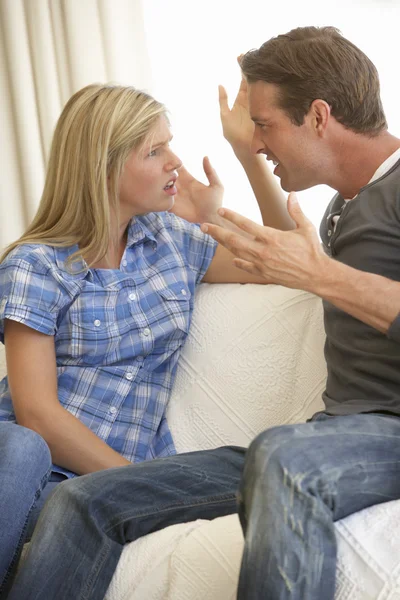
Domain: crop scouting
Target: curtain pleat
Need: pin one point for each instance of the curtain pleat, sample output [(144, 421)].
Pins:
[(48, 50)]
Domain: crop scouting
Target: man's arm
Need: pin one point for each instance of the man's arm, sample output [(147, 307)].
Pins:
[(238, 129), (295, 259)]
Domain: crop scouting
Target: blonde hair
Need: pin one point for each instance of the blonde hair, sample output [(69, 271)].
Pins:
[(98, 128)]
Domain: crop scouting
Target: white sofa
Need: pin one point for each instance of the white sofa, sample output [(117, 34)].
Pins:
[(253, 359)]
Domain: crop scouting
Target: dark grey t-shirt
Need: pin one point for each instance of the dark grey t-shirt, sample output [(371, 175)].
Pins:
[(363, 363)]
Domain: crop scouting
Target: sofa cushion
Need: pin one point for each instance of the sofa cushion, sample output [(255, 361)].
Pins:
[(253, 359), (202, 560)]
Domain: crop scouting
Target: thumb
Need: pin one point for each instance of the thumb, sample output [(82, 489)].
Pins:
[(295, 211), (223, 99), (211, 173)]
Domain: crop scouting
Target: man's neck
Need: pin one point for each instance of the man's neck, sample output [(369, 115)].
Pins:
[(360, 156)]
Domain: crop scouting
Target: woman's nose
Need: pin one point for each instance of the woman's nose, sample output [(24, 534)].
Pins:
[(174, 163)]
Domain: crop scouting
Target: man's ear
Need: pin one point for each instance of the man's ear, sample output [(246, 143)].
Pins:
[(320, 112)]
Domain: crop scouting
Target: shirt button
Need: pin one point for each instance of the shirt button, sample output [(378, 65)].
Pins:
[(329, 232), (97, 323), (183, 292), (129, 376), (124, 263), (113, 410), (140, 358), (132, 296), (146, 331)]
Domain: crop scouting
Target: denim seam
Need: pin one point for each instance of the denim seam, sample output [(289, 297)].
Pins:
[(214, 500), (86, 593)]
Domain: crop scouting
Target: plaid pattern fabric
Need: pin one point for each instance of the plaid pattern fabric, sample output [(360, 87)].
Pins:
[(118, 333)]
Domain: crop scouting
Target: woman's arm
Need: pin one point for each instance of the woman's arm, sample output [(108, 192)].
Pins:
[(223, 270), (32, 376)]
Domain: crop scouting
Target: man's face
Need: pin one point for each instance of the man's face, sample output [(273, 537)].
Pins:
[(296, 150)]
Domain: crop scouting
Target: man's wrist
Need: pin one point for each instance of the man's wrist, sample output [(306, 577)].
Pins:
[(326, 277)]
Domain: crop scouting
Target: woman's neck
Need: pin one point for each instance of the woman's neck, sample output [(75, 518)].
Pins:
[(113, 258)]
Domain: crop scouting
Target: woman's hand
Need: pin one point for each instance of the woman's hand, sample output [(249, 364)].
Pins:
[(195, 201), (237, 126)]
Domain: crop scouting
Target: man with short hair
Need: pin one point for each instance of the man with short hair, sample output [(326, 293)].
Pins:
[(314, 100)]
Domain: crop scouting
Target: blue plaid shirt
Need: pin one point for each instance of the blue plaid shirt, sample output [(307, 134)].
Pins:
[(118, 333)]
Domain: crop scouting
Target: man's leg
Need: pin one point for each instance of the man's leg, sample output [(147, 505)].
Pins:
[(86, 522), (25, 464), (298, 480)]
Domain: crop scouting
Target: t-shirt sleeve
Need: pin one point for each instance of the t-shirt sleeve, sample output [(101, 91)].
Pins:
[(394, 330), (197, 247), (29, 294)]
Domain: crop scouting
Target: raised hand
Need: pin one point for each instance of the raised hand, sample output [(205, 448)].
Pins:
[(195, 201), (237, 126), (294, 258)]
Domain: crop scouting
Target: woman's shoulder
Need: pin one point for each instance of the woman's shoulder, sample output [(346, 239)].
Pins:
[(33, 254), (40, 257)]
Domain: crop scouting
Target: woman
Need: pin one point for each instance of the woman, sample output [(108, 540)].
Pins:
[(97, 296)]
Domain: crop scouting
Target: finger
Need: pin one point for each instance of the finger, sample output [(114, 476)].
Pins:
[(234, 242), (247, 266), (211, 173), (184, 176), (223, 99), (295, 211), (259, 231)]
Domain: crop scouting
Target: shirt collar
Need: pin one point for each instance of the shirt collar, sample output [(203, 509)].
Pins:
[(78, 269), (139, 232)]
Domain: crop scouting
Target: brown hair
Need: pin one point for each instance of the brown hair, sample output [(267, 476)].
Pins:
[(318, 62)]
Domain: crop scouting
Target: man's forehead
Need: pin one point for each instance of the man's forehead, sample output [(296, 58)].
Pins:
[(263, 98)]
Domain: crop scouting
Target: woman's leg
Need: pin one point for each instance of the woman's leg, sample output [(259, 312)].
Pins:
[(25, 464), (298, 480), (86, 522)]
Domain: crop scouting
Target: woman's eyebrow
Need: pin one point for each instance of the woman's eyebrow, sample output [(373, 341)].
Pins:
[(157, 144)]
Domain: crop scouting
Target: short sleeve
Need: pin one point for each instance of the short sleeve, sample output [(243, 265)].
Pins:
[(197, 247), (29, 293), (394, 330)]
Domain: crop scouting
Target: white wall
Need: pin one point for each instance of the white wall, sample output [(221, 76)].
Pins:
[(193, 46)]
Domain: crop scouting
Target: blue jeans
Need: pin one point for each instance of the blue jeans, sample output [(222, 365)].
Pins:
[(25, 464), (297, 480)]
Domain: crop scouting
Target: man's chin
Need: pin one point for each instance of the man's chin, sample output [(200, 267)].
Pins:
[(293, 186)]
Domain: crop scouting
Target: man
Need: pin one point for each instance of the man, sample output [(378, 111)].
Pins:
[(314, 99)]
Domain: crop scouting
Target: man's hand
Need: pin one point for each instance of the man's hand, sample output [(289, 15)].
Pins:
[(195, 201), (294, 258), (237, 126)]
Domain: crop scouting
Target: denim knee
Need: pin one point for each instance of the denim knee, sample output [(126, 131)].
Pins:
[(278, 455), (23, 451), (276, 443)]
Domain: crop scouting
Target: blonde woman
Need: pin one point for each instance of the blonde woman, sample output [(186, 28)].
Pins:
[(96, 299)]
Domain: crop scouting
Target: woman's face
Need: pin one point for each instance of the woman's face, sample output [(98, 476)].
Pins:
[(148, 181)]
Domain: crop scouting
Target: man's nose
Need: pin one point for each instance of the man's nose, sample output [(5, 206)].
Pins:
[(257, 145)]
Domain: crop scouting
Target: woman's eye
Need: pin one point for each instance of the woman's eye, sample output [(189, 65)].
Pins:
[(152, 153)]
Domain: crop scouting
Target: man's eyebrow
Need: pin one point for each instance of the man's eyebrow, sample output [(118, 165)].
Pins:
[(260, 120)]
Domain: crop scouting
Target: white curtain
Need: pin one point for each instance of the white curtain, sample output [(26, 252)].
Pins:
[(48, 50)]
